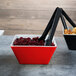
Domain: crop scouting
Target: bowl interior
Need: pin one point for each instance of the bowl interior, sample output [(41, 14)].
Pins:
[(31, 36)]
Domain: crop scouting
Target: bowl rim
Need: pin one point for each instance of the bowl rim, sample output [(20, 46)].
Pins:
[(28, 35)]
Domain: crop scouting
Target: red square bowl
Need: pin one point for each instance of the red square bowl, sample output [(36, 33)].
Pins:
[(33, 54)]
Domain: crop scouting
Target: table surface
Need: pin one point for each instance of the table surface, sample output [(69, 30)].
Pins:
[(63, 62)]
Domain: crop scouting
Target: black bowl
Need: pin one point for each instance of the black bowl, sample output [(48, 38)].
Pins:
[(70, 40)]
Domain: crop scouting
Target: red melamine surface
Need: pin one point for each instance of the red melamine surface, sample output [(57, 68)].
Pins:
[(33, 54)]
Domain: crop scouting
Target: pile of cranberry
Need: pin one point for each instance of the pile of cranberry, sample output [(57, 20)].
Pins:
[(29, 41)]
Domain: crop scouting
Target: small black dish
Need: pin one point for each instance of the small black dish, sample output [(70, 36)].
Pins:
[(70, 40)]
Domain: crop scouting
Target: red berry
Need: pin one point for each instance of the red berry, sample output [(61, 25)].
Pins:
[(52, 44), (21, 38), (35, 38), (14, 43), (28, 41)]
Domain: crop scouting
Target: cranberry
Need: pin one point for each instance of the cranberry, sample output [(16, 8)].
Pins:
[(15, 43), (35, 38), (52, 44), (29, 41), (21, 38)]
